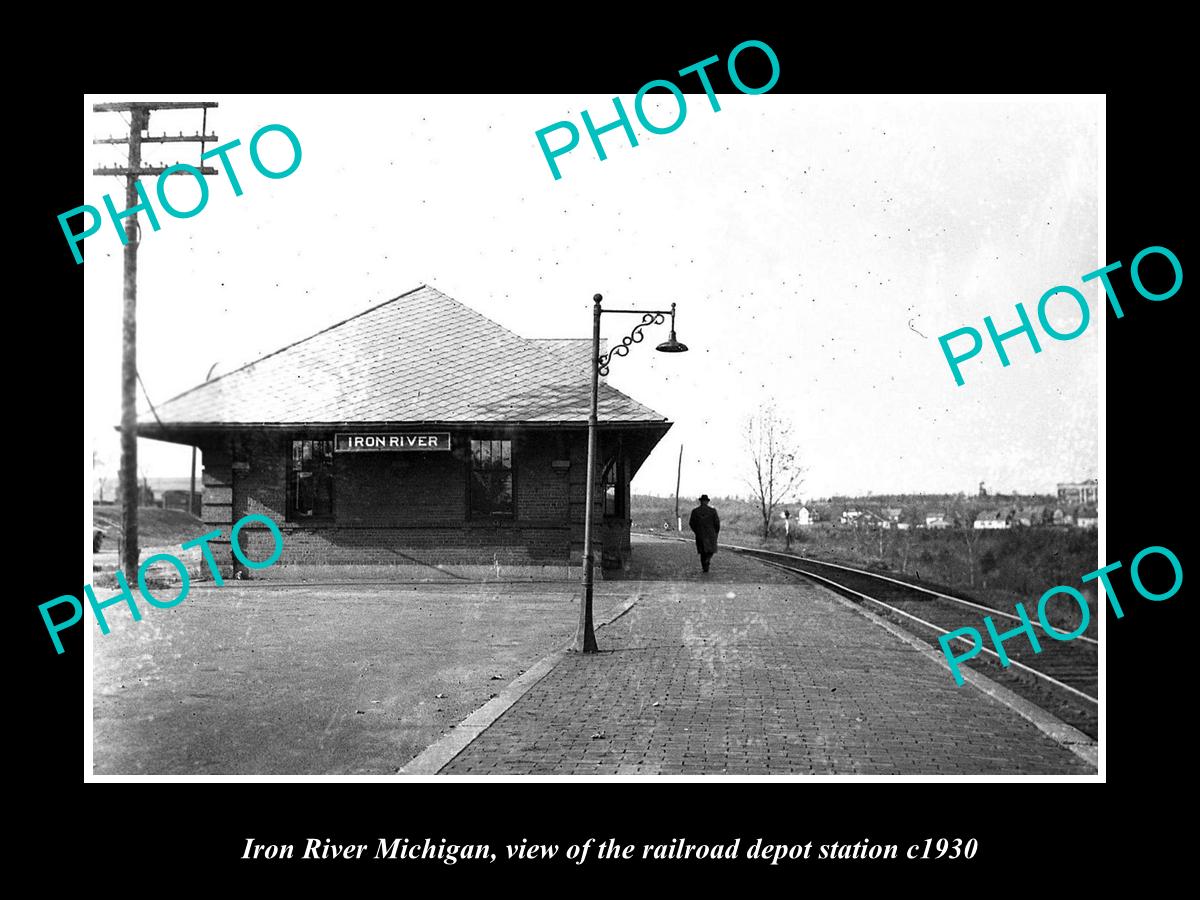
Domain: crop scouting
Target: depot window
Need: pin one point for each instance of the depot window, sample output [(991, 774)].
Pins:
[(614, 489), (491, 479), (310, 481)]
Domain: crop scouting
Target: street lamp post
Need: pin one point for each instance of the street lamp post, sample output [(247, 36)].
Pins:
[(585, 636)]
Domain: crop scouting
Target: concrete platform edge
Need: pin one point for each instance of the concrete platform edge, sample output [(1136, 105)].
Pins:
[(439, 754)]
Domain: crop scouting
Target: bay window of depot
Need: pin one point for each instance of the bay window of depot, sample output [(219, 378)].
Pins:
[(491, 479), (310, 481)]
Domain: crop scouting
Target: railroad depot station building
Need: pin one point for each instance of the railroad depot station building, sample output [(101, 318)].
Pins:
[(417, 434)]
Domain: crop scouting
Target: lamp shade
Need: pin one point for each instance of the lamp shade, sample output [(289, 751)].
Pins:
[(671, 345)]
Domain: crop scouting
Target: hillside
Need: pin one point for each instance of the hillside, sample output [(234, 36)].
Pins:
[(156, 527), (1002, 566), (737, 514)]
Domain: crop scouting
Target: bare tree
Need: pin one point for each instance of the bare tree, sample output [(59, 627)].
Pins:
[(100, 478), (775, 471)]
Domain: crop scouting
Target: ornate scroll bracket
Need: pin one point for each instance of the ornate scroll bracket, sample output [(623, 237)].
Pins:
[(635, 337)]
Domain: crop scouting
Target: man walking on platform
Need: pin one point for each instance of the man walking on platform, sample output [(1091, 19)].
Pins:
[(706, 525)]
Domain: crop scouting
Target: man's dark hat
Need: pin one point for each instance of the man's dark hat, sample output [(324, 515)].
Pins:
[(704, 498)]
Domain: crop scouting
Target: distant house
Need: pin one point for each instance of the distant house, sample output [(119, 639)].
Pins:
[(889, 517), (1087, 518), (825, 515), (1034, 516), (851, 515), (173, 493), (992, 519), (177, 499), (1080, 492), (937, 520), (804, 516)]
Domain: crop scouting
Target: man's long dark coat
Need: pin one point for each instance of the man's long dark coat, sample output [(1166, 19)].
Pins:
[(705, 522)]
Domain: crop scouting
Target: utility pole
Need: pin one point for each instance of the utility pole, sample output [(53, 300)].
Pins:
[(678, 478), (139, 121)]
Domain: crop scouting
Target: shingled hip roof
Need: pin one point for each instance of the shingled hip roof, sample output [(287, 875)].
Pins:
[(421, 357)]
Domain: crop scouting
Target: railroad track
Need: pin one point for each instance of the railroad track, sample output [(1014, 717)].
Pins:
[(1061, 679)]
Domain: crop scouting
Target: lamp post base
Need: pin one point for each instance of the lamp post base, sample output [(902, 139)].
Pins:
[(585, 634), (585, 641)]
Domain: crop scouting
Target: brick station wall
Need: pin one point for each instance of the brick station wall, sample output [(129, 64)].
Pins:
[(408, 508), (217, 498)]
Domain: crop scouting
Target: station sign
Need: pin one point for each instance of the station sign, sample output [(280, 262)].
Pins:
[(374, 441)]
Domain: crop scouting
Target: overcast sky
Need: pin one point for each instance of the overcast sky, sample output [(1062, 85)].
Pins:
[(816, 248)]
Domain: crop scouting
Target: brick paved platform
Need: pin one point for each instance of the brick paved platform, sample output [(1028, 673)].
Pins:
[(749, 671), (256, 678)]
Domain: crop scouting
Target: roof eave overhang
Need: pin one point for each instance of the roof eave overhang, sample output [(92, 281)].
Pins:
[(187, 432)]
